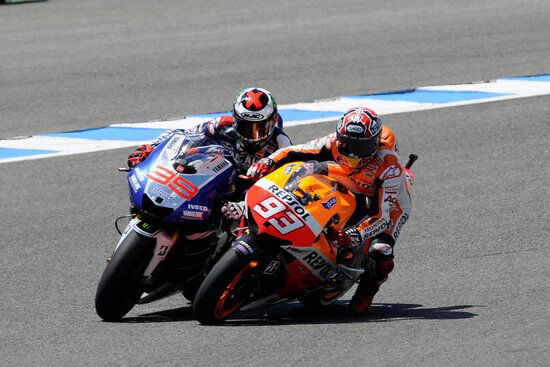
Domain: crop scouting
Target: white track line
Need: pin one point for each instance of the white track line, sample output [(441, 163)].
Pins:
[(509, 88)]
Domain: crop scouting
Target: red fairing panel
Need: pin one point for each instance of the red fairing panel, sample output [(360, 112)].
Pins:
[(281, 218)]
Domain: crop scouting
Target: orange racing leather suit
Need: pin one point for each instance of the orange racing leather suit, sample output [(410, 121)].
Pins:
[(383, 181)]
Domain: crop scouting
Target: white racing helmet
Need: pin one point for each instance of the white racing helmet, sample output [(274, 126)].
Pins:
[(255, 117)]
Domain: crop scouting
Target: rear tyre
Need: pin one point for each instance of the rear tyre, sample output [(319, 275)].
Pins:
[(226, 288), (121, 284)]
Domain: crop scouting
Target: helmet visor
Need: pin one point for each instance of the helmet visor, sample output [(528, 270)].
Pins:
[(254, 131), (358, 147)]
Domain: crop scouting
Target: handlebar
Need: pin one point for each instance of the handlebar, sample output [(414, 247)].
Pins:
[(412, 159), (246, 178), (245, 182), (124, 169)]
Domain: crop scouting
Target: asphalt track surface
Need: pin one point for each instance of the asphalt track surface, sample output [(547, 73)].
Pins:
[(471, 284)]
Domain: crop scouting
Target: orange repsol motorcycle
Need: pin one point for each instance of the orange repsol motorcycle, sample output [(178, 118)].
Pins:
[(284, 251)]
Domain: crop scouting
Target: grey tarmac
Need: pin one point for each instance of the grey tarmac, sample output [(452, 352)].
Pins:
[(470, 286)]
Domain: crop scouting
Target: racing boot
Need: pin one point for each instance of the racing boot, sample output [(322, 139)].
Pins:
[(362, 299), (377, 266)]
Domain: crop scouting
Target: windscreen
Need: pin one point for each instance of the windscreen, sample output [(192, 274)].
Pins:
[(306, 169), (195, 152)]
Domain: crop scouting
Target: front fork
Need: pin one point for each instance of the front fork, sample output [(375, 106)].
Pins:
[(164, 242)]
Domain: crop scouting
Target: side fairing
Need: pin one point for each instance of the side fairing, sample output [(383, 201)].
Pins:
[(297, 201)]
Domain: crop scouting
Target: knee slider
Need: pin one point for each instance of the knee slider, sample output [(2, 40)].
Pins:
[(380, 251), (379, 262)]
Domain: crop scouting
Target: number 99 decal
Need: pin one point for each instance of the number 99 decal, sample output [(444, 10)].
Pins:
[(286, 223)]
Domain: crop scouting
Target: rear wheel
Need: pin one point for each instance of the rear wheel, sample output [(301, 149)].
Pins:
[(226, 288), (121, 285)]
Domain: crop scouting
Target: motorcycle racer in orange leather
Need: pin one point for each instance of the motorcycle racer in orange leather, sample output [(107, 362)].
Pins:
[(369, 165)]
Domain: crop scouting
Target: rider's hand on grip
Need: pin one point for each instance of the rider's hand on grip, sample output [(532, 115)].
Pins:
[(261, 168), (232, 210), (349, 237), (355, 238), (339, 238), (139, 155), (347, 241)]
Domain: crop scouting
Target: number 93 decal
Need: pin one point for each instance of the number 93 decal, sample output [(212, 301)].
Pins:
[(285, 223)]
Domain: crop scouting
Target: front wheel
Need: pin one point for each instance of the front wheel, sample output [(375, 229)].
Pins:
[(121, 285), (226, 288)]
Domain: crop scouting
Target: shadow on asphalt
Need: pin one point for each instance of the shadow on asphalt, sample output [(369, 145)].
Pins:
[(337, 313), (176, 314)]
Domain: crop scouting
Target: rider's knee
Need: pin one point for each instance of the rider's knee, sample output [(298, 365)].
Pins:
[(381, 247), (379, 262), (380, 251)]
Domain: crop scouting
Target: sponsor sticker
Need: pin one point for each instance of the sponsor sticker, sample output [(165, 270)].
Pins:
[(288, 169), (135, 184), (329, 204), (173, 141), (220, 166), (391, 190), (391, 172), (161, 193), (252, 116), (356, 129), (375, 126), (191, 214), (272, 267), (402, 221), (315, 261), (290, 200), (243, 247), (197, 207), (139, 173)]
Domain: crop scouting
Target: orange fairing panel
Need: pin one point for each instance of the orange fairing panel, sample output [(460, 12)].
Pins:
[(313, 265), (329, 201), (301, 211)]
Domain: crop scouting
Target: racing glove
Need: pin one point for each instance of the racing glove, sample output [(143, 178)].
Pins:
[(348, 242), (349, 237), (139, 155), (261, 168), (233, 210)]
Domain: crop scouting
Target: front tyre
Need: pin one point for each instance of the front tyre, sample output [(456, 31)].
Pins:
[(226, 288), (121, 284)]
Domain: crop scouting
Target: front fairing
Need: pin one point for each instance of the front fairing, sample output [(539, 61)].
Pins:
[(296, 202), (182, 180)]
